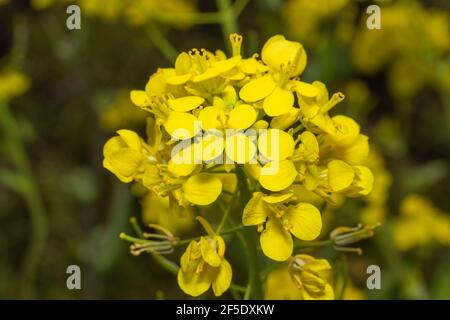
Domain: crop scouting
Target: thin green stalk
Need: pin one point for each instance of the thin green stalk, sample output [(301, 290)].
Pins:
[(227, 213), (194, 18), (162, 261), (343, 270), (313, 244), (239, 6), (163, 45), (30, 192), (136, 227), (251, 243), (228, 20), (298, 128)]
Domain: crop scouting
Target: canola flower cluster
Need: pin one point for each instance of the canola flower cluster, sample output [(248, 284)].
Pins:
[(211, 113)]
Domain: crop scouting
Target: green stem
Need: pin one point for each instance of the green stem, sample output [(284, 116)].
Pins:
[(228, 20), (251, 243), (163, 45), (239, 6), (195, 18), (313, 244), (227, 212), (30, 192), (298, 128)]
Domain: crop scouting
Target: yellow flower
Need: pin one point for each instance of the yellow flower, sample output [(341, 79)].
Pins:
[(12, 84), (124, 155), (203, 265), (419, 224), (314, 105), (310, 21), (311, 275), (279, 285), (306, 158), (345, 143), (277, 217), (121, 113), (303, 278), (285, 60), (350, 180), (275, 148), (376, 208)]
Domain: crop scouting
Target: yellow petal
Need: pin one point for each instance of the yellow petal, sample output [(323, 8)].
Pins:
[(242, 117), (151, 176), (323, 95), (276, 176), (279, 102), (156, 85), (255, 213), (209, 252), (326, 294), (181, 125), (113, 144), (212, 144), (252, 66), (276, 145), (260, 124), (277, 197), (181, 169), (183, 63), (131, 139), (218, 68), (179, 79), (125, 162), (223, 279), (286, 120), (305, 89), (312, 177), (347, 129), (229, 96), (278, 52), (305, 221), (240, 148), (211, 118), (356, 152), (318, 266), (340, 175), (225, 65), (309, 146), (257, 89), (194, 284), (202, 189), (365, 180), (139, 98), (185, 104), (276, 242)]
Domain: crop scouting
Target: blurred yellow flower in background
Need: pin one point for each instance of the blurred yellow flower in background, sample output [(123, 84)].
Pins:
[(306, 20), (157, 210), (420, 223), (121, 113), (411, 38), (12, 84)]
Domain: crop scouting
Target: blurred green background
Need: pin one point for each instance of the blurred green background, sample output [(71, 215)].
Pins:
[(64, 92)]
